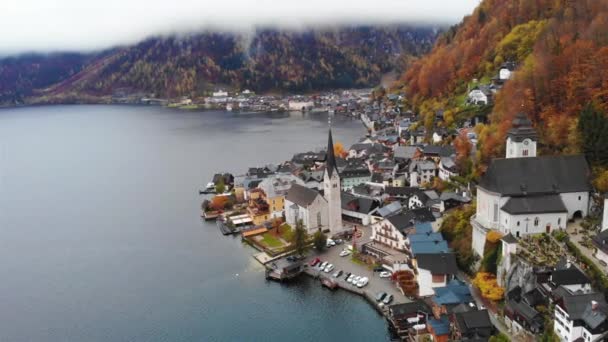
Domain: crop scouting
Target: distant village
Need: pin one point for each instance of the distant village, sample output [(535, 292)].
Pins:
[(381, 203)]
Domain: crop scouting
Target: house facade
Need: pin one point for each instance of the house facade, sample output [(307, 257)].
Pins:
[(276, 187)]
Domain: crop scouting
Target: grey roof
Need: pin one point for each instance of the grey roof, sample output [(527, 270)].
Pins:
[(448, 195), (448, 162), (576, 304), (437, 263), (537, 175), (421, 165), (601, 241), (473, 321), (400, 191), (535, 205), (523, 309), (301, 195), (569, 276), (358, 204), (509, 238), (390, 209), (405, 152), (279, 185), (522, 128), (438, 150), (595, 317)]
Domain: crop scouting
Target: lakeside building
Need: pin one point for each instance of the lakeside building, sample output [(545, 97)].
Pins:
[(276, 188)]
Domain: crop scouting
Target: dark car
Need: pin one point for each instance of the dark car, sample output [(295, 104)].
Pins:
[(388, 299), (346, 275), (315, 261), (379, 269), (380, 296)]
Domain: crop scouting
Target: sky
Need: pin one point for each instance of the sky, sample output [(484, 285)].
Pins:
[(86, 25)]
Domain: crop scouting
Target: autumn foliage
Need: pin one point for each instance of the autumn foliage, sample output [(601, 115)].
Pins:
[(487, 285), (339, 150), (561, 51)]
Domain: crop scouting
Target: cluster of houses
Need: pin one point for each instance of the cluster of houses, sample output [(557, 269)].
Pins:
[(347, 101), (449, 315), (483, 94)]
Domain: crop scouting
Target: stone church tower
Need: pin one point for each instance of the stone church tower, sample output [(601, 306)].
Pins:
[(521, 139), (331, 189)]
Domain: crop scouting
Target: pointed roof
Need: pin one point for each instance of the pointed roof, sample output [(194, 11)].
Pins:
[(522, 128), (331, 158)]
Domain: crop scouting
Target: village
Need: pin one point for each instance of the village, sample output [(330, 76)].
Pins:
[(376, 219)]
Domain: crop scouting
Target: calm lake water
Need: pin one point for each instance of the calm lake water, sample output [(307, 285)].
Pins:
[(101, 239)]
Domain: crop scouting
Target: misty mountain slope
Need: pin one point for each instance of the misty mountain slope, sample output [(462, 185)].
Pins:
[(267, 60)]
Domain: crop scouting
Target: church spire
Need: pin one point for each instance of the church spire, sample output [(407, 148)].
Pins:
[(330, 164)]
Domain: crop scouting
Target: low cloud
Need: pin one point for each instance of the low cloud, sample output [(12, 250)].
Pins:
[(84, 25)]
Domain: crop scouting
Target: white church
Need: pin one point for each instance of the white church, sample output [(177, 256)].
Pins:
[(318, 212), (525, 194)]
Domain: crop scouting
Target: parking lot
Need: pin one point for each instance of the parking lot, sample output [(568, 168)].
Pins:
[(375, 285)]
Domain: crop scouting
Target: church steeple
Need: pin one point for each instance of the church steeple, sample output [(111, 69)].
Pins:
[(330, 163), (521, 138)]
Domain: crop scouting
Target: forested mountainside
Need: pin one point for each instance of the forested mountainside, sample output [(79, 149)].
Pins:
[(560, 49), (267, 60)]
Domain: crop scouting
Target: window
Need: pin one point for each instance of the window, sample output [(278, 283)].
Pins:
[(536, 222), (495, 212), (559, 221), (319, 219), (525, 153), (518, 223), (579, 198)]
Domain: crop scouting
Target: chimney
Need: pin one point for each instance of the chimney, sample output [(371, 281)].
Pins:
[(594, 305)]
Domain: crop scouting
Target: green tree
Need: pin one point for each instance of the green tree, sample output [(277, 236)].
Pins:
[(593, 129), (300, 238), (319, 240), (499, 338), (220, 187)]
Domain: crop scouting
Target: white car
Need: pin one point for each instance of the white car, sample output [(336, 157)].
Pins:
[(385, 274), (362, 282), (330, 243), (329, 268), (356, 280), (350, 278), (344, 253), (323, 265)]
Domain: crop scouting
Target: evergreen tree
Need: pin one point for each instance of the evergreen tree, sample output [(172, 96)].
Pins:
[(319, 240), (593, 128), (300, 238)]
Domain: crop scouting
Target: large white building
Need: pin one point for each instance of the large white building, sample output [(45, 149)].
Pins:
[(525, 194)]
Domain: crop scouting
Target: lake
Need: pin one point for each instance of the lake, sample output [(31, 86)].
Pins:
[(101, 238)]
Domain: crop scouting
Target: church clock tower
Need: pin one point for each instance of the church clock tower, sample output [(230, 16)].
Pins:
[(521, 139), (331, 189)]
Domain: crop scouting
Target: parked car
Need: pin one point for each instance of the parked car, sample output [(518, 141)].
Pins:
[(338, 273), (314, 262), (385, 274), (323, 265), (388, 299), (380, 296), (347, 275), (339, 241), (350, 278), (330, 243), (356, 280), (329, 268), (292, 258), (344, 253), (362, 282), (378, 269)]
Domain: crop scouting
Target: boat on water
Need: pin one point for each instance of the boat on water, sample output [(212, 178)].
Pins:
[(330, 284)]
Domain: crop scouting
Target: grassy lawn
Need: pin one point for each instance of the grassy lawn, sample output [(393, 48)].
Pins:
[(270, 240)]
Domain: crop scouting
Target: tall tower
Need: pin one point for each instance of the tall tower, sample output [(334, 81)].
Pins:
[(521, 139), (331, 187)]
